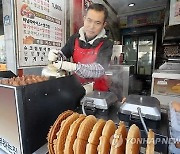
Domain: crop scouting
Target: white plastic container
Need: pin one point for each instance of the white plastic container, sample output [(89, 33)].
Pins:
[(173, 149), (175, 122)]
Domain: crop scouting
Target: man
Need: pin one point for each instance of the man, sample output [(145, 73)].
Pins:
[(90, 49)]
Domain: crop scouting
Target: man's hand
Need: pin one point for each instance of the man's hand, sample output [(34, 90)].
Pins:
[(53, 55), (64, 65)]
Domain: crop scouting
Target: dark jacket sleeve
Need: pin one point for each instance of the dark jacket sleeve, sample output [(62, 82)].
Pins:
[(69, 46)]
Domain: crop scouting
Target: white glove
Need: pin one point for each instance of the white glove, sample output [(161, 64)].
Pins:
[(53, 55), (88, 87), (50, 70), (64, 65)]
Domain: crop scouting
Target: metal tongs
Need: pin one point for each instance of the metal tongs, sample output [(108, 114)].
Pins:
[(142, 120), (140, 115)]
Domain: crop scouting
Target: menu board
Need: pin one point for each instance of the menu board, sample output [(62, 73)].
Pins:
[(40, 28)]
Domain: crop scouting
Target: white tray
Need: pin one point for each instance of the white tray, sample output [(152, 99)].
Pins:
[(173, 149), (175, 122)]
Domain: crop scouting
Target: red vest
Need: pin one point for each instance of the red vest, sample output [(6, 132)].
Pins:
[(87, 56)]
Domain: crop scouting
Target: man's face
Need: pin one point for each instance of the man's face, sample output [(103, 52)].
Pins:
[(93, 23)]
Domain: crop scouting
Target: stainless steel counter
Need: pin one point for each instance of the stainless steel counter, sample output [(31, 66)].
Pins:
[(121, 77), (169, 74)]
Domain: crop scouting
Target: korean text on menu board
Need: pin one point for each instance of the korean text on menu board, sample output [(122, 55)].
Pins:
[(41, 27)]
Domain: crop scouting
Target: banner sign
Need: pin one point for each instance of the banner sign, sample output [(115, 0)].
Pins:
[(144, 19)]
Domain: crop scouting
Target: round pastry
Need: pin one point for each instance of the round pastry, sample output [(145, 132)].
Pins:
[(150, 142), (22, 83), (91, 149), (39, 79), (108, 131), (55, 128), (85, 129), (118, 144), (63, 132), (79, 146), (93, 140), (11, 80), (15, 83), (72, 134), (29, 81), (133, 140), (5, 81)]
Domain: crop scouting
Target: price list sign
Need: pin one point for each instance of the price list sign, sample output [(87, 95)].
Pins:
[(40, 28)]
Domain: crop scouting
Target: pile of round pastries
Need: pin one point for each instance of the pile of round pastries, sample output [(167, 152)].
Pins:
[(74, 133), (24, 80)]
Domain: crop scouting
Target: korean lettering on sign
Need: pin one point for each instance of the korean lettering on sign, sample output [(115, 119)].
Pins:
[(7, 147), (41, 25)]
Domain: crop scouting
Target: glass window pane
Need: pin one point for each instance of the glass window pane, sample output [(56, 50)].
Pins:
[(145, 55)]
